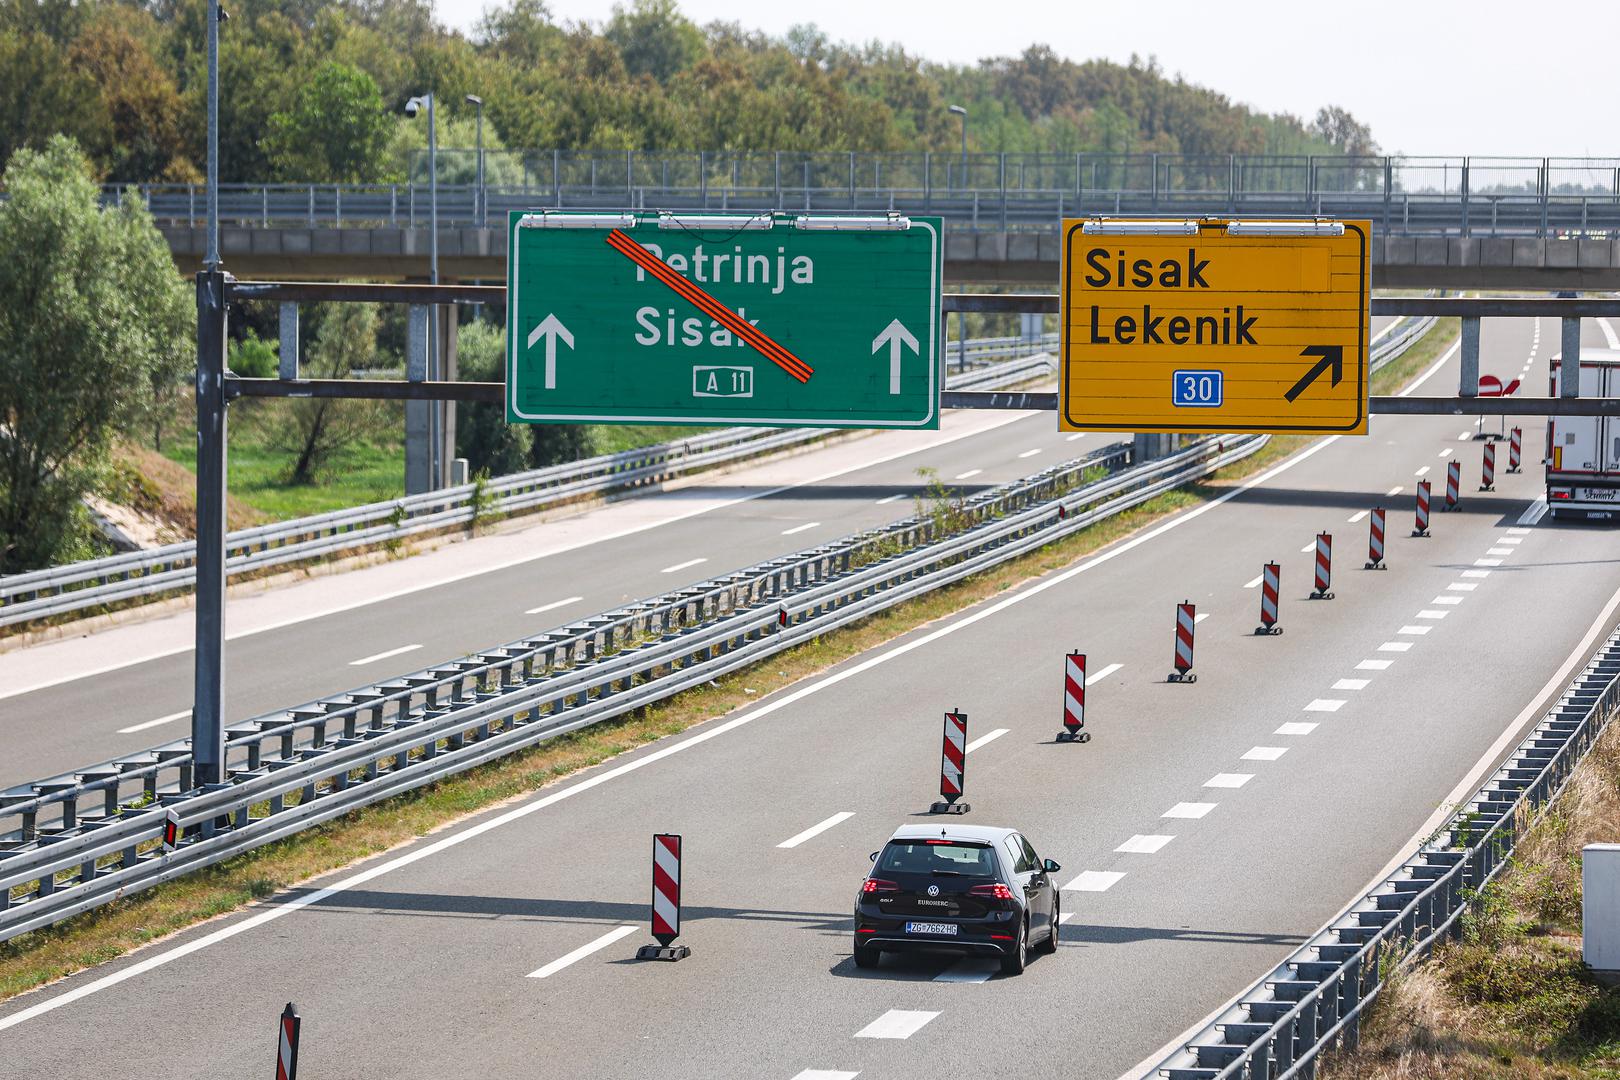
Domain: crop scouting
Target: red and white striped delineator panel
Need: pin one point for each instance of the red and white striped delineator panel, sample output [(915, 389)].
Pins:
[(1186, 619), (1487, 473), (287, 1044), (1453, 483), (1421, 528), (1074, 693), (666, 894), (171, 831), (1375, 539), (953, 760), (1270, 586), (1324, 567), (1515, 449)]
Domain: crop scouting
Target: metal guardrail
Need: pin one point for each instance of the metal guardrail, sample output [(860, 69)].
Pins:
[(1463, 196), (1315, 999), (80, 840), (161, 571)]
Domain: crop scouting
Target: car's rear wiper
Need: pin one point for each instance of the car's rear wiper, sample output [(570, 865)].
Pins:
[(946, 873)]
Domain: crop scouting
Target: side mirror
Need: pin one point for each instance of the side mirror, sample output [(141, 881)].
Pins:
[(1050, 867), (873, 856)]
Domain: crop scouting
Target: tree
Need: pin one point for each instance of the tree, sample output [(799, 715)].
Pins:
[(334, 132), (654, 38), (143, 105), (92, 316), (318, 428), (45, 95), (1344, 132), (483, 436)]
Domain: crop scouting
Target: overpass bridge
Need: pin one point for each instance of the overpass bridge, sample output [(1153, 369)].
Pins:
[(1539, 223)]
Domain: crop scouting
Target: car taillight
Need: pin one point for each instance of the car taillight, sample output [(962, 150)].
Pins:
[(997, 891), (872, 885)]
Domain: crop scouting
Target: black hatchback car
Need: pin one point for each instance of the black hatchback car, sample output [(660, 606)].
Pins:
[(957, 888)]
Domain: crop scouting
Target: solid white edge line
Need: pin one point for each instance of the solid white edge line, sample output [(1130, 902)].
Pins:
[(583, 951), (1102, 673), (988, 736), (171, 718), (800, 528), (764, 709), (689, 563), (817, 829), (1436, 366), (1510, 736), (554, 605), (519, 560), (374, 657)]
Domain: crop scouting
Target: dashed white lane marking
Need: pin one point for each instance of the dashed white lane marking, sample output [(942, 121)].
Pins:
[(1501, 550), (970, 474), (817, 829), (1532, 513), (1229, 779), (1325, 705), (1422, 472), (1094, 881), (1395, 646), (1265, 753), (826, 1074), (1396, 490), (1030, 453), (1255, 582), (1476, 573), (1462, 586), (1428, 613), (1065, 917), (886, 500), (1308, 548), (1351, 684), (986, 737), (1373, 665), (553, 605), (896, 1024), (1451, 600), (1188, 810), (583, 951), (1071, 438), (1295, 728), (1518, 531), (1511, 540), (1414, 631), (171, 718), (374, 657), (969, 969), (1102, 673), (1466, 436), (682, 565), (1357, 516), (1144, 844), (1446, 452), (1487, 562), (1200, 617), (800, 528)]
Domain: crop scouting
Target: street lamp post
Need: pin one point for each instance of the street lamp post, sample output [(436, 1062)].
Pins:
[(481, 201), (412, 107), (961, 317)]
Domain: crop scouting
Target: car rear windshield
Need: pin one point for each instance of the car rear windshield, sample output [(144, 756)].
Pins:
[(937, 856)]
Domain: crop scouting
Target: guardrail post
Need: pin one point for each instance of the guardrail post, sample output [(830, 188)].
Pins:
[(1543, 181), (1569, 371), (1464, 194), (1468, 382), (289, 341), (207, 713)]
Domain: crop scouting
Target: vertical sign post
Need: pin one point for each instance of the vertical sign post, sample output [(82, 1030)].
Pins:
[(953, 765), (666, 900)]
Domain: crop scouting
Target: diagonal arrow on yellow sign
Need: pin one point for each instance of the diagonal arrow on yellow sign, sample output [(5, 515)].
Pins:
[(1215, 325)]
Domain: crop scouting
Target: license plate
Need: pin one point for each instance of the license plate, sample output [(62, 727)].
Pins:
[(1598, 494), (946, 928)]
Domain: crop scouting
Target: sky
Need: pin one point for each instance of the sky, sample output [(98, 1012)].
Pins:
[(1436, 77)]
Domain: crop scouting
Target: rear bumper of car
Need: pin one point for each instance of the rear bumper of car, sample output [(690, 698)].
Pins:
[(995, 933)]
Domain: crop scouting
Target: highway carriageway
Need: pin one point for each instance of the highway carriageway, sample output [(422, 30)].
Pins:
[(1203, 831)]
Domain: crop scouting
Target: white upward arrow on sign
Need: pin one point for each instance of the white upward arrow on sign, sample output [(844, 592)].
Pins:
[(895, 335), (551, 328)]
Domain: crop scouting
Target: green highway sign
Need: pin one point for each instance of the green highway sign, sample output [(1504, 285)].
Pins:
[(771, 319)]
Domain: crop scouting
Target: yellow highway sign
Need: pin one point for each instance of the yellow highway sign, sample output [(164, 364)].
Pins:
[(1215, 325)]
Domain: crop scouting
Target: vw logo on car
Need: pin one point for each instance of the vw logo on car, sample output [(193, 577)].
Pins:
[(933, 890)]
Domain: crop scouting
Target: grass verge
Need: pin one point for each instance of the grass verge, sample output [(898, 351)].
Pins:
[(1512, 998), (35, 959)]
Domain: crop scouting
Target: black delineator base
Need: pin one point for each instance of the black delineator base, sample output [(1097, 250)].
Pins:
[(1321, 595), (949, 808), (1268, 631), (1073, 736), (1181, 676), (1379, 565), (1420, 532), (663, 952), (1492, 487)]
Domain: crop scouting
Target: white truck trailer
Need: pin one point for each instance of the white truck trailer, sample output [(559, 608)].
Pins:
[(1583, 452)]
